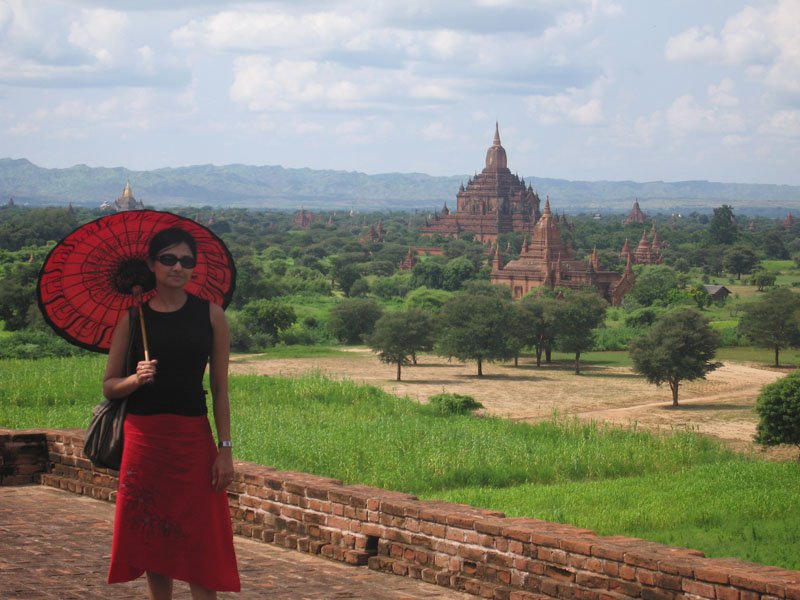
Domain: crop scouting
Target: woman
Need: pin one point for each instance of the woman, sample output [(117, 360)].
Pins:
[(172, 518)]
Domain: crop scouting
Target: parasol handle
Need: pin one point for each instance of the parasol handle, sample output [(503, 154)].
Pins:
[(137, 294)]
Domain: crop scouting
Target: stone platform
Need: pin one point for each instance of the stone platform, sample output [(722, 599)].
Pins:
[(56, 545)]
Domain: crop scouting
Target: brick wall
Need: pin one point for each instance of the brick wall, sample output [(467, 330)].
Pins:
[(478, 551), (23, 456)]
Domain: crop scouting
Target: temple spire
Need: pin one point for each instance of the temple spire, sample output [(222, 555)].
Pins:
[(496, 141)]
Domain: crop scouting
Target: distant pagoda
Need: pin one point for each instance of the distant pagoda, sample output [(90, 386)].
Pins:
[(636, 215), (126, 201), (493, 202), (546, 262)]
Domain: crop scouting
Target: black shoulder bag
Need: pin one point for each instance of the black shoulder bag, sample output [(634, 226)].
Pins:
[(104, 437)]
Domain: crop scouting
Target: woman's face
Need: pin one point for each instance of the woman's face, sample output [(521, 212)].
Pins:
[(173, 265)]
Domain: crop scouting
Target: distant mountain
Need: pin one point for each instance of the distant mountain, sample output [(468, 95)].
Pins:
[(275, 187)]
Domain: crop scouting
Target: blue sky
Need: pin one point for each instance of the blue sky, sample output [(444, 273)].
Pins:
[(596, 89)]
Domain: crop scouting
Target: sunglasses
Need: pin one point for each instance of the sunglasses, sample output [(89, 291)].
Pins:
[(170, 260)]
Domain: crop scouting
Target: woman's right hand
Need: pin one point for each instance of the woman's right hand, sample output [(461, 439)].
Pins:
[(145, 371)]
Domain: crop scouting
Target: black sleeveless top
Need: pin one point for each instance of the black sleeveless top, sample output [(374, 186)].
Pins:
[(181, 341)]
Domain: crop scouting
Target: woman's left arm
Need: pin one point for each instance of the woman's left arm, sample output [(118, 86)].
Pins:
[(222, 471)]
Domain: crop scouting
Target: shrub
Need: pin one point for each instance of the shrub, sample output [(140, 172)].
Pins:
[(778, 409), (353, 318), (28, 343), (453, 404), (643, 317), (618, 338)]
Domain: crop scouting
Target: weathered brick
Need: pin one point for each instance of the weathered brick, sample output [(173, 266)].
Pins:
[(726, 593), (698, 588)]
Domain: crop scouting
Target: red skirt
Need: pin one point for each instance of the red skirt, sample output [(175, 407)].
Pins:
[(169, 520)]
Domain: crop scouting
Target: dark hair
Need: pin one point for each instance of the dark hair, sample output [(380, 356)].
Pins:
[(166, 238)]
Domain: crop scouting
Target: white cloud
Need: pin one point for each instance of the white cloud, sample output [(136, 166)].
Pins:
[(762, 39), (47, 44), (574, 106), (100, 32), (722, 94), (694, 44), (686, 117), (263, 84), (782, 124), (267, 28)]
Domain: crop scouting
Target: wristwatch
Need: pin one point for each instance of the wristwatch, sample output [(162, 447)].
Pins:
[(225, 444)]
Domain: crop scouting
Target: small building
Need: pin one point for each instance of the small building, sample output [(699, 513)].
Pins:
[(717, 292)]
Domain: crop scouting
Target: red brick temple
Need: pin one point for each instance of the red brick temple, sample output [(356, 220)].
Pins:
[(493, 202), (546, 262), (303, 219), (636, 215), (648, 252)]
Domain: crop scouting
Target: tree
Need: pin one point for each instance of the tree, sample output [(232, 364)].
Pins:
[(680, 346), (762, 279), (476, 327), (577, 314), (427, 299), (456, 272), (699, 295), (398, 336), (778, 409), (773, 322), (267, 317), (739, 259), (723, 228), (536, 323), (654, 283), (427, 273), (354, 318)]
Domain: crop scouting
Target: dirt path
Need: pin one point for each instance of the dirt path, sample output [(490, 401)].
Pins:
[(721, 406)]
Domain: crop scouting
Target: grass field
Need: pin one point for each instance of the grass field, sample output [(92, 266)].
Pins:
[(682, 489)]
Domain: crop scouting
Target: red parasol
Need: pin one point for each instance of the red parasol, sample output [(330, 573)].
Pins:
[(87, 280)]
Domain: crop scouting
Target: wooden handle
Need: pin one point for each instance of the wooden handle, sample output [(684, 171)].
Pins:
[(137, 293)]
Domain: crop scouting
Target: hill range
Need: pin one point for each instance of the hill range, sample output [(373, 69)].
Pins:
[(279, 188)]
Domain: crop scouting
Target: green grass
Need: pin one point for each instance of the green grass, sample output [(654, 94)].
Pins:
[(277, 352), (681, 489), (741, 508), (789, 357)]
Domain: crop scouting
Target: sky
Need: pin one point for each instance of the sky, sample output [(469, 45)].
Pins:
[(641, 90)]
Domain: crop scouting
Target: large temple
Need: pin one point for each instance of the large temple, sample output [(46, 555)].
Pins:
[(126, 201), (493, 202), (545, 261)]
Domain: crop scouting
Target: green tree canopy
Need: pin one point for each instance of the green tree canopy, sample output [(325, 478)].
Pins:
[(762, 279), (428, 273), (773, 321), (723, 228), (537, 323), (476, 327), (739, 259), (680, 346), (778, 409), (653, 284), (398, 336), (456, 272), (577, 314), (427, 299), (267, 317), (354, 318)]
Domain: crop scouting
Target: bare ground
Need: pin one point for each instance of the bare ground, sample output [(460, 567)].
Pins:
[(720, 406)]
